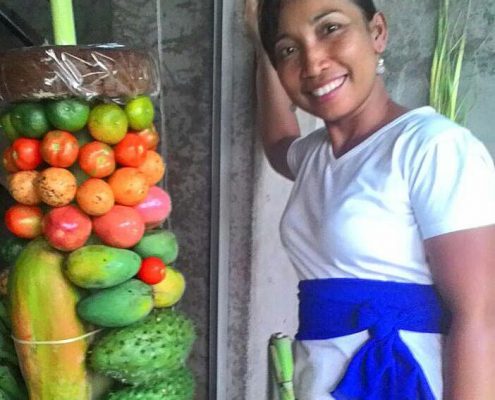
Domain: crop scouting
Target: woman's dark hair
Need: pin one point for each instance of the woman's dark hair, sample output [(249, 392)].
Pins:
[(269, 17)]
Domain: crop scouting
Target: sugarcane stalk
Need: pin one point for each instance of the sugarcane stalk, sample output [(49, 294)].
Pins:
[(283, 365), (64, 31)]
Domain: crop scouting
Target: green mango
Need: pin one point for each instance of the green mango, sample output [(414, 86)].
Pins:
[(98, 266), (117, 306), (158, 243)]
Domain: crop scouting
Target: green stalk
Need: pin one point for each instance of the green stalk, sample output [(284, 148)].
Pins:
[(446, 68), (283, 365), (64, 30)]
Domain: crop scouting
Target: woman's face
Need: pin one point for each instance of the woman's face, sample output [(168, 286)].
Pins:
[(326, 56)]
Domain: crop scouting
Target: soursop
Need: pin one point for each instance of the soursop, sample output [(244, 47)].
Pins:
[(146, 351), (178, 385)]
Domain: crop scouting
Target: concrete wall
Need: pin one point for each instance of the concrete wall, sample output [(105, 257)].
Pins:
[(412, 30)]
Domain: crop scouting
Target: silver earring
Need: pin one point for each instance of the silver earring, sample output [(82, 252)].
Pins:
[(380, 67)]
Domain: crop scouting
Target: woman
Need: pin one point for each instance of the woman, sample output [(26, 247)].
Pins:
[(390, 223)]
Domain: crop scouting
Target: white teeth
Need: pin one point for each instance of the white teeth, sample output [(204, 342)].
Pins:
[(328, 88)]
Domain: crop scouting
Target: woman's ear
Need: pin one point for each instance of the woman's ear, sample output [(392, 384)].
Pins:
[(379, 32)]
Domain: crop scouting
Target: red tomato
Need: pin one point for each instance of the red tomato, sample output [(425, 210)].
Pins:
[(151, 137), (59, 149), (152, 270), (26, 153), (97, 159), (8, 160), (131, 151), (24, 221)]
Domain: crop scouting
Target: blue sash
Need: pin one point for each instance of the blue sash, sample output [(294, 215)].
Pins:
[(383, 368)]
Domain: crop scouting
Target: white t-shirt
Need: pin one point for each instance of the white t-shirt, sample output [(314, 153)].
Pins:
[(366, 214)]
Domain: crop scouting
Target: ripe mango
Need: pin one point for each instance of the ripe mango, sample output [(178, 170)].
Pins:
[(100, 266)]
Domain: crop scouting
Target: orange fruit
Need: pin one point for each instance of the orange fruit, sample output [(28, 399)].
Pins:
[(129, 186), (153, 167), (140, 112), (95, 197), (107, 123)]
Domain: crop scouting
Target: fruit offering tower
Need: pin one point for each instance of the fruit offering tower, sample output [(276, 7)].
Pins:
[(89, 296)]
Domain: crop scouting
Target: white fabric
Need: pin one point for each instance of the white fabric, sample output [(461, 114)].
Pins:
[(366, 214)]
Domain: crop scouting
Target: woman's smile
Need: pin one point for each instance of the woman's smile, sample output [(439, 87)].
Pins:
[(328, 91)]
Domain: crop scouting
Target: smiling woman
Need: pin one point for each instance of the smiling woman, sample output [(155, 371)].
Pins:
[(388, 209)]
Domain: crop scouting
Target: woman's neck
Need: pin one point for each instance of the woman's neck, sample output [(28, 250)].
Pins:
[(377, 111)]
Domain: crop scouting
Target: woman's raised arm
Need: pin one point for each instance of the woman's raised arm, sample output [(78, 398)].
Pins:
[(276, 121)]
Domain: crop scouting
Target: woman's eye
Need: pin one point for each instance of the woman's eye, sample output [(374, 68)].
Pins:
[(329, 28), (286, 51)]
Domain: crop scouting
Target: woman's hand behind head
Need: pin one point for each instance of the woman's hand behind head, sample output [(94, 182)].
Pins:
[(251, 21)]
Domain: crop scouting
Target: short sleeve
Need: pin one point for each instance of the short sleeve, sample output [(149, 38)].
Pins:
[(452, 185), (301, 147)]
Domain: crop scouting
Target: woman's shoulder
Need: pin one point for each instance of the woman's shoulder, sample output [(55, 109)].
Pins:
[(424, 128), (429, 137)]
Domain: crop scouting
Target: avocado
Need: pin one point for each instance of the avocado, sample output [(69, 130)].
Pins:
[(160, 243)]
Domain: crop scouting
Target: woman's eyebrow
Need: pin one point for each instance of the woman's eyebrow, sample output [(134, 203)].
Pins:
[(313, 21), (324, 14)]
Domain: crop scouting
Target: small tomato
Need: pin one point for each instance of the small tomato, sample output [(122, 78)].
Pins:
[(26, 153), (152, 270), (97, 159), (24, 221), (8, 160), (131, 151), (59, 148), (151, 137)]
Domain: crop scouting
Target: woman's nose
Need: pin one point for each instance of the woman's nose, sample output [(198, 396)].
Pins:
[(315, 60)]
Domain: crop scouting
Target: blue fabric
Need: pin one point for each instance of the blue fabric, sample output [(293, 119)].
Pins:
[(383, 368)]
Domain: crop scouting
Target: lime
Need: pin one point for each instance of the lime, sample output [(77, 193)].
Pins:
[(140, 112), (8, 128), (29, 119), (107, 123), (68, 114)]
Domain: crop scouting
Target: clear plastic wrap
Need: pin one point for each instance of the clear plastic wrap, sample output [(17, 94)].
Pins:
[(104, 71)]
